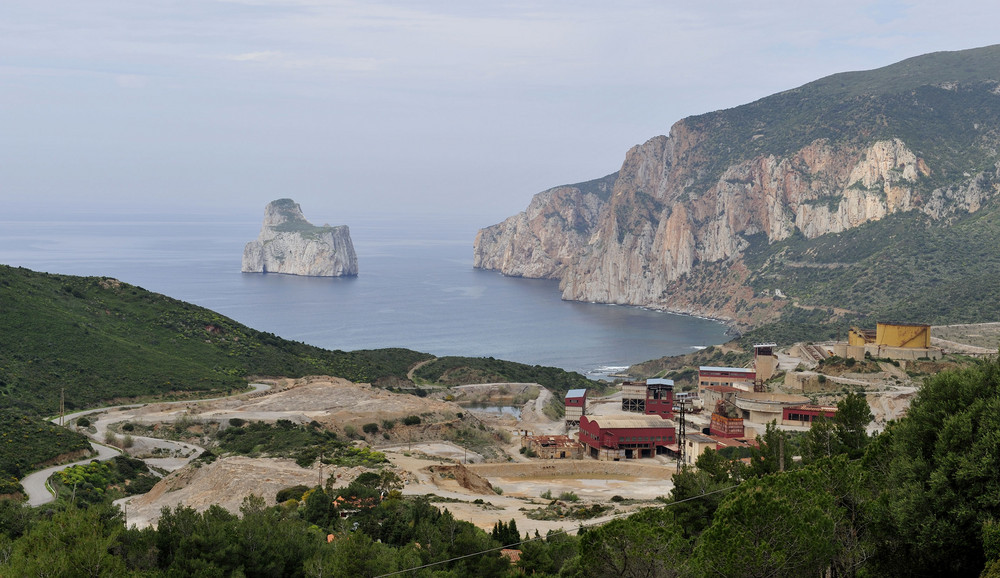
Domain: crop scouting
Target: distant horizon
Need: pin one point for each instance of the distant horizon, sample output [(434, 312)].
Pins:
[(416, 108)]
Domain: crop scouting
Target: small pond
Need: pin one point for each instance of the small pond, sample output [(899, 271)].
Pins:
[(497, 410)]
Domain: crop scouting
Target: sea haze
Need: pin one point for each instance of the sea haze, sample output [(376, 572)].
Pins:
[(416, 289)]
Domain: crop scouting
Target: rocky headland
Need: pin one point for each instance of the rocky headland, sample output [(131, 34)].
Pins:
[(671, 228), (290, 244)]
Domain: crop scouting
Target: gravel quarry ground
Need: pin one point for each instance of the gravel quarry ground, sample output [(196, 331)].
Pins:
[(337, 403)]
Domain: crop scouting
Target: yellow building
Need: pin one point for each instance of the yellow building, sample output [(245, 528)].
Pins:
[(903, 335), (892, 340)]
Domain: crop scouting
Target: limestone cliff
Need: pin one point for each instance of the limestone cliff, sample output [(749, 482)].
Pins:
[(701, 196), (290, 244)]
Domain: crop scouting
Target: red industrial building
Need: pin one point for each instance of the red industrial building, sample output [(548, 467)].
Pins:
[(660, 398), (806, 414), (626, 437), (576, 406), (708, 375)]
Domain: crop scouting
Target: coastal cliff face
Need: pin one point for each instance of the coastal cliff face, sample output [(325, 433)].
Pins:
[(289, 244), (652, 233)]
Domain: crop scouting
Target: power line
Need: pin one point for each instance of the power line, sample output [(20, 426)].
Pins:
[(581, 527)]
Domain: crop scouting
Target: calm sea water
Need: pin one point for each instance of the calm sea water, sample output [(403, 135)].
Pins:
[(416, 289)]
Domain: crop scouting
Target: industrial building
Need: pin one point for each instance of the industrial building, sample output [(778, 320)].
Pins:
[(763, 408), (650, 397), (741, 377), (695, 444), (576, 406), (804, 415), (765, 361), (891, 340), (552, 447), (626, 437)]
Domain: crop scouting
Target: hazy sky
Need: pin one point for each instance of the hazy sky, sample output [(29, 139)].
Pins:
[(347, 107)]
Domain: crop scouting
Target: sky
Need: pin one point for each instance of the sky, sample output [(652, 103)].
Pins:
[(412, 108)]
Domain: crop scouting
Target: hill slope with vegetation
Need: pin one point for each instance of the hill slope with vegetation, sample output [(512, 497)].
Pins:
[(102, 340)]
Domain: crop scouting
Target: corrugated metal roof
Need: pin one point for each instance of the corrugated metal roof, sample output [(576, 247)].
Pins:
[(630, 421), (576, 393), (699, 438), (731, 369), (659, 381)]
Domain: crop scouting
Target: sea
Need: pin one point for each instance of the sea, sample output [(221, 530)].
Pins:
[(416, 288)]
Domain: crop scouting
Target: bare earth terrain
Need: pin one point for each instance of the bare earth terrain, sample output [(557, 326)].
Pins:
[(425, 462), (474, 486)]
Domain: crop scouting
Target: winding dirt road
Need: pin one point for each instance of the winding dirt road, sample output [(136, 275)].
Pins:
[(35, 484)]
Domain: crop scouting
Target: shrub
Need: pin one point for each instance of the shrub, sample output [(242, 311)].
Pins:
[(370, 428), (547, 495), (292, 493), (82, 422), (238, 422), (569, 497), (388, 424), (350, 431), (411, 420)]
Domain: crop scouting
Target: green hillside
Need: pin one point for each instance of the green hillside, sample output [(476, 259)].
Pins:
[(942, 105), (904, 268), (103, 340)]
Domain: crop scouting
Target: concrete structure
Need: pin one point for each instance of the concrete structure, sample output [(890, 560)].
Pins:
[(552, 447), (626, 437), (765, 361), (763, 408), (576, 406), (727, 420), (695, 445), (740, 377), (711, 395), (634, 396), (909, 341), (806, 414), (690, 400), (660, 398)]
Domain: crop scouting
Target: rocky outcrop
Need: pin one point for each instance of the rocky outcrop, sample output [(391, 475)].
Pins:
[(290, 244), (652, 231)]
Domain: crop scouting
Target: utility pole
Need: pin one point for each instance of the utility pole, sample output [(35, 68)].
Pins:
[(681, 435), (62, 406)]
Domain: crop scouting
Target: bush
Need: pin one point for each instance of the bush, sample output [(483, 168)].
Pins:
[(411, 420), (569, 497), (388, 424), (82, 422), (292, 493), (350, 431), (370, 428), (237, 422)]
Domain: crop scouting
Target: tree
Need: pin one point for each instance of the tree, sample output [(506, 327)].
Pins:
[(770, 455), (778, 525), (821, 441), (649, 543), (935, 476), (74, 542), (852, 419)]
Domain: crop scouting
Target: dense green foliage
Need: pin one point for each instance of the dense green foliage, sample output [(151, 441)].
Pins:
[(302, 443), (103, 340), (260, 542), (26, 442), (96, 482), (903, 268), (462, 370)]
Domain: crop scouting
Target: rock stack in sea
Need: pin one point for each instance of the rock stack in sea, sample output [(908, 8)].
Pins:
[(290, 244)]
